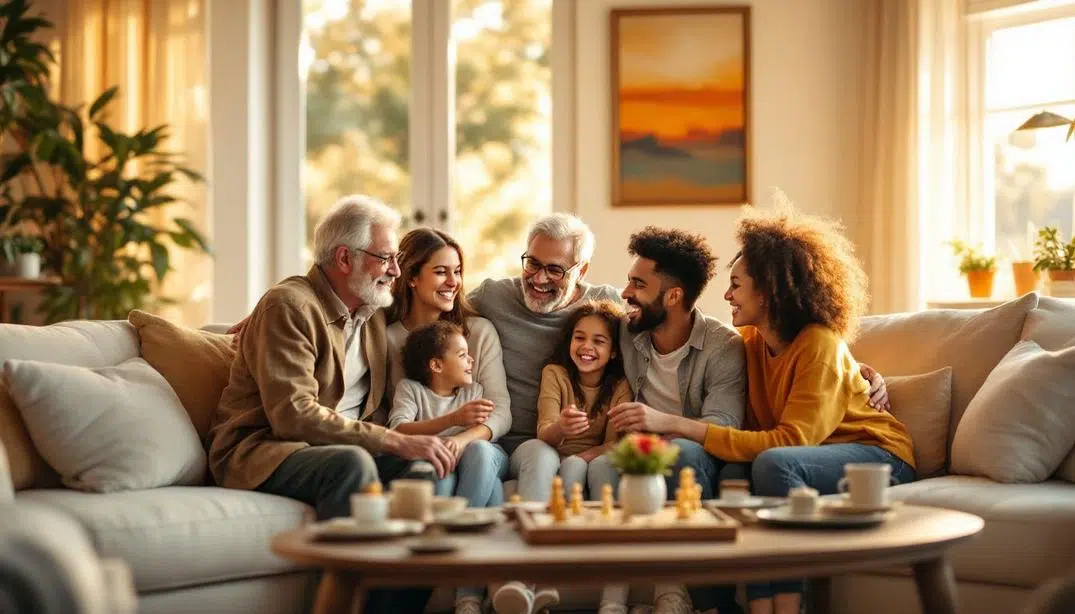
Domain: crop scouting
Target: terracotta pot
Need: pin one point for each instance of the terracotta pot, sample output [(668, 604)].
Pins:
[(981, 283), (1026, 278), (1056, 275)]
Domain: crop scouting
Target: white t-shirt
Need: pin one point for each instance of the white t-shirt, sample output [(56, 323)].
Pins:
[(356, 373), (661, 389)]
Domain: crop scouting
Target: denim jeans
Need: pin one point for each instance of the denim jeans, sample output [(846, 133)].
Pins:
[(534, 464), (777, 470), (592, 475), (479, 475)]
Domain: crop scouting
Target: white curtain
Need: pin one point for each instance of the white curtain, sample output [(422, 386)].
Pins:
[(914, 109), (155, 51)]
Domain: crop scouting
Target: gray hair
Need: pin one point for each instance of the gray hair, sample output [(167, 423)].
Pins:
[(348, 223), (560, 226)]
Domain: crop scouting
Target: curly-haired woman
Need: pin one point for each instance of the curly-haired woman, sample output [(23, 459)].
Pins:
[(796, 292)]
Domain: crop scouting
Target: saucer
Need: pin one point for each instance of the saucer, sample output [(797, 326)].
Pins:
[(782, 516), (345, 529), (472, 520), (845, 506), (432, 545), (748, 502)]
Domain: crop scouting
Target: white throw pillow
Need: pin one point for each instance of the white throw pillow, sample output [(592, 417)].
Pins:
[(1021, 424), (107, 429)]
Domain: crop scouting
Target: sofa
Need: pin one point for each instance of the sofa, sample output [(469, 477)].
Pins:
[(193, 547)]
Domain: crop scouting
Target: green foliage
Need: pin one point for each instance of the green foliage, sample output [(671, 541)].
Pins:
[(639, 454), (971, 259), (13, 245), (1051, 253), (95, 211)]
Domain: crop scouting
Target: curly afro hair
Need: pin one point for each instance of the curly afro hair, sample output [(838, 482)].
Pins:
[(806, 269), (683, 256)]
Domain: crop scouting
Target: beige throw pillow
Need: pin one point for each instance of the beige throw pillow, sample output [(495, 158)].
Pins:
[(1021, 424), (107, 429), (923, 404), (196, 363), (28, 469)]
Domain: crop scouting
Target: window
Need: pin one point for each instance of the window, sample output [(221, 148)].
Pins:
[(1028, 177), (359, 58)]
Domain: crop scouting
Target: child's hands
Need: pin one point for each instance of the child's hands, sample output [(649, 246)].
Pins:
[(454, 447), (473, 413), (573, 421)]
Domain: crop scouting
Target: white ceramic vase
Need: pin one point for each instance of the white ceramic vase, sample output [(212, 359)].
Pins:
[(28, 265), (642, 494)]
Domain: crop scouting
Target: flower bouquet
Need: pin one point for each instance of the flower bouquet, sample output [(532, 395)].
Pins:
[(639, 454)]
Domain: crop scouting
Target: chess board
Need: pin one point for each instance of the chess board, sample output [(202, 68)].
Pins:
[(592, 527)]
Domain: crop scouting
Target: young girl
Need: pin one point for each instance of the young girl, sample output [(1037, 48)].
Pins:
[(583, 379)]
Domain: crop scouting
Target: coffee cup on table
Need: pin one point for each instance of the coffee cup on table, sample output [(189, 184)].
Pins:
[(412, 500), (369, 510), (734, 491), (802, 501), (866, 484)]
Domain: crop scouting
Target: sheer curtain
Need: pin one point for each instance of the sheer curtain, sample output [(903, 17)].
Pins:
[(155, 51), (913, 163)]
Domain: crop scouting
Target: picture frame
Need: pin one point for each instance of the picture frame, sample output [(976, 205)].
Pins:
[(680, 106)]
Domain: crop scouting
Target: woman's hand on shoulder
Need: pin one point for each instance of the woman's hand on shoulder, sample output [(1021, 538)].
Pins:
[(878, 389)]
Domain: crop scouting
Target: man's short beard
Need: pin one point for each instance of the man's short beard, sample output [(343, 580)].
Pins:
[(365, 287), (650, 316), (557, 301)]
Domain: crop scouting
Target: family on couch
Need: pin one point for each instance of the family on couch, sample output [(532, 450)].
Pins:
[(321, 364)]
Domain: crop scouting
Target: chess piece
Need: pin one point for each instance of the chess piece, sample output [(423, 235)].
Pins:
[(576, 499), (683, 508), (606, 500), (696, 497), (557, 505), (515, 499)]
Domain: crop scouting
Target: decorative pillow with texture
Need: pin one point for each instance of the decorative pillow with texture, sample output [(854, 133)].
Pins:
[(196, 363), (923, 403), (107, 429), (1021, 424)]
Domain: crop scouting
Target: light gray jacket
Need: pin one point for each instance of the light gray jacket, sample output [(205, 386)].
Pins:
[(712, 376)]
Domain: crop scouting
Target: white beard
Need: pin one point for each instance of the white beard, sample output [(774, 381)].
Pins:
[(365, 287)]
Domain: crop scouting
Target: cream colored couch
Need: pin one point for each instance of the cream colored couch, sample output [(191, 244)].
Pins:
[(205, 549)]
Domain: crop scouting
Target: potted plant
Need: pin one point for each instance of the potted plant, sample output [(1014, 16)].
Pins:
[(25, 253), (643, 461), (977, 267), (1054, 256)]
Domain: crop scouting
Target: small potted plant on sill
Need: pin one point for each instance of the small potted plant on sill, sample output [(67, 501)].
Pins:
[(24, 253), (643, 461), (977, 267), (1054, 256)]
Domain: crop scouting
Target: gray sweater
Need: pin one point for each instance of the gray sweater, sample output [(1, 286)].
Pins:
[(415, 403), (527, 339)]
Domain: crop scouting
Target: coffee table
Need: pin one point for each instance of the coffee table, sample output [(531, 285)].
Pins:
[(914, 535)]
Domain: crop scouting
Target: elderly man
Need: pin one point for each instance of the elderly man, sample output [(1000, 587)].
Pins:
[(301, 414)]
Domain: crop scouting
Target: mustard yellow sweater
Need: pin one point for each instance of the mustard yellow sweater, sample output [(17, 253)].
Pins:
[(811, 394)]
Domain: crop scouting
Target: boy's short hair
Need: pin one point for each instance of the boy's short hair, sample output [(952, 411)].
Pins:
[(423, 345), (683, 256)]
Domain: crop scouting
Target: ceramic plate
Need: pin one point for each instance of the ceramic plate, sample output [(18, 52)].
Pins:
[(748, 503), (432, 545), (472, 520), (782, 516), (844, 506), (345, 529)]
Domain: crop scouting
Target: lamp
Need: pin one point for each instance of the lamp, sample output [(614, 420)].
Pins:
[(1045, 119)]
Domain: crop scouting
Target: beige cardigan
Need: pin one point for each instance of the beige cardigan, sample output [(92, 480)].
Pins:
[(287, 379)]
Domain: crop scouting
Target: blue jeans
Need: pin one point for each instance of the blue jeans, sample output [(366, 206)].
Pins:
[(478, 477), (777, 470)]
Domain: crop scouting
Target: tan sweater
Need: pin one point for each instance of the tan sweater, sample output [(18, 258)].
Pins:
[(287, 379), (556, 393)]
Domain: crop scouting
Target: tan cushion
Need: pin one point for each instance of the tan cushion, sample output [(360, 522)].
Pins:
[(923, 403), (972, 342), (1051, 324), (1029, 529), (108, 428), (196, 363), (81, 343), (180, 536), (1021, 424), (1066, 471)]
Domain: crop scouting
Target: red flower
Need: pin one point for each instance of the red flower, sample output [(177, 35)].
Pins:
[(644, 445)]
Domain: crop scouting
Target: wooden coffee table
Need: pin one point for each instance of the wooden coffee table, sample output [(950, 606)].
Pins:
[(914, 535)]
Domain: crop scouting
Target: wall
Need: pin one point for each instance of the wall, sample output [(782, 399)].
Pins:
[(805, 117)]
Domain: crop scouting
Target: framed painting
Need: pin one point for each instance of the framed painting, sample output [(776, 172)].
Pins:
[(680, 106)]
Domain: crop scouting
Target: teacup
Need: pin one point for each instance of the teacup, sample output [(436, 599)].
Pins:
[(802, 501), (369, 510), (734, 491), (866, 484), (412, 500)]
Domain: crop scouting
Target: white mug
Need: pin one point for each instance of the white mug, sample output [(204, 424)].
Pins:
[(866, 484), (412, 500), (369, 510)]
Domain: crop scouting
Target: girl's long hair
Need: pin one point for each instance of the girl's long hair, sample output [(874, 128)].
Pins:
[(611, 314), (418, 246)]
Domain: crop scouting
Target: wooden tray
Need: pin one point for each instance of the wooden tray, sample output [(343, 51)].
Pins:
[(708, 524)]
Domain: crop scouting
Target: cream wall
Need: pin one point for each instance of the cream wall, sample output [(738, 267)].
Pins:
[(805, 116)]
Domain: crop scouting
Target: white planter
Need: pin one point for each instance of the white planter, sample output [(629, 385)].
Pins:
[(28, 265), (642, 494)]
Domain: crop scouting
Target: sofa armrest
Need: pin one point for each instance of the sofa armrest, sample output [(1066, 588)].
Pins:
[(48, 565), (7, 486)]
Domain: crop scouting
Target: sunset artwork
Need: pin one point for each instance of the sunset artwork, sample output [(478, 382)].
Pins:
[(680, 79)]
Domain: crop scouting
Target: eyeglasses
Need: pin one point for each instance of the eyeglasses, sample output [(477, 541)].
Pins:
[(554, 271), (385, 260)]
